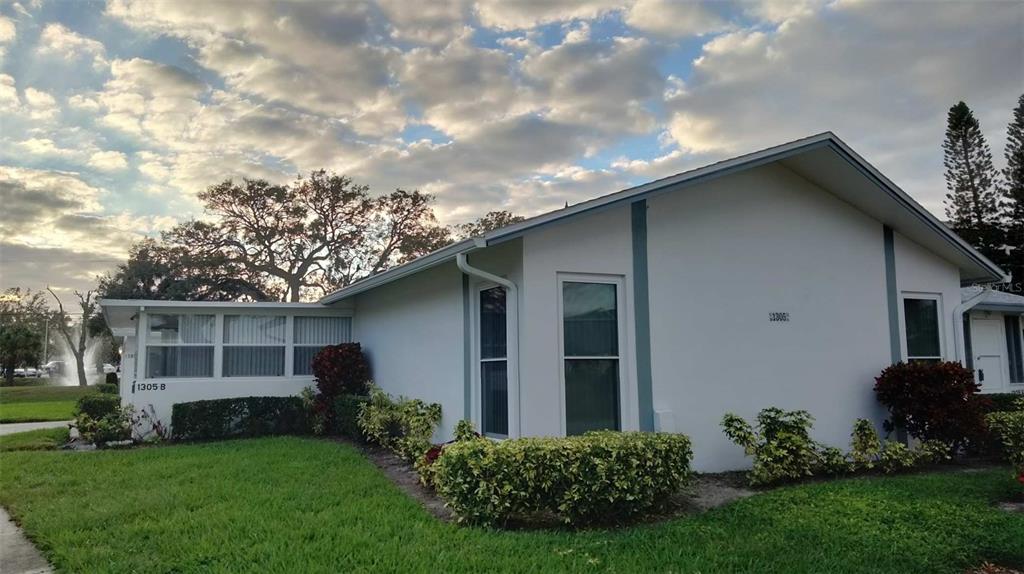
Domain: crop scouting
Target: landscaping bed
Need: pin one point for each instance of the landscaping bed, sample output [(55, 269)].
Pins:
[(287, 504)]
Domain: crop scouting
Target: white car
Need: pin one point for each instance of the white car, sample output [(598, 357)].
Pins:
[(108, 368)]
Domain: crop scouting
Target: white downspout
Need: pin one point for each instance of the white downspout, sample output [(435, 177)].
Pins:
[(958, 324), (512, 334)]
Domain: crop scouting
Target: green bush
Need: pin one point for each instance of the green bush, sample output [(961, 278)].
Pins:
[(865, 446), (599, 477), (107, 388), (1009, 426), (97, 405), (780, 444), (114, 426), (1003, 402), (110, 379), (401, 425), (346, 416), (240, 417)]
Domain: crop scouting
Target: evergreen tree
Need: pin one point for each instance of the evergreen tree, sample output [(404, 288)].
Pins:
[(972, 198), (972, 204), (1013, 196)]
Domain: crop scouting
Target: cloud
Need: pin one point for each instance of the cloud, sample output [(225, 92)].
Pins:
[(108, 160), (434, 23), (7, 30), (41, 105), (524, 14), (58, 40), (674, 19)]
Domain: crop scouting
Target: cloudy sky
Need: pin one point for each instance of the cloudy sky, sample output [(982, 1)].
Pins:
[(114, 114)]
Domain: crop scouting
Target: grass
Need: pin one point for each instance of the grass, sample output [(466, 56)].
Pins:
[(41, 439), (35, 403), (292, 504)]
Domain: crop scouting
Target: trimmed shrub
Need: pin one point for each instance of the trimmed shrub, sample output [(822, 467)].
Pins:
[(933, 401), (1003, 402), (780, 444), (1009, 426), (402, 425), (425, 464), (241, 417), (346, 416), (111, 379), (114, 426), (107, 388), (341, 369), (599, 477), (865, 446), (97, 405)]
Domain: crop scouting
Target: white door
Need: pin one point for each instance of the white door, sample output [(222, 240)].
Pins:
[(988, 342)]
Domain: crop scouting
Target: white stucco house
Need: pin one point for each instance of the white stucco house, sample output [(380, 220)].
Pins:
[(788, 277)]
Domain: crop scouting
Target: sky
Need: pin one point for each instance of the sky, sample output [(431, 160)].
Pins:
[(113, 115)]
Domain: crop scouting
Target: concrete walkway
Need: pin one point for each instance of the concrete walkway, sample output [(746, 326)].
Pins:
[(17, 554), (9, 428)]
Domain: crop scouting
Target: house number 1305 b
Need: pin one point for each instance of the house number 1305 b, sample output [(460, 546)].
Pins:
[(778, 317)]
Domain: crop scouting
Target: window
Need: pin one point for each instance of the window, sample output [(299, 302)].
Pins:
[(1013, 348), (254, 345), (590, 347), (921, 321), (494, 361), (179, 346), (312, 334)]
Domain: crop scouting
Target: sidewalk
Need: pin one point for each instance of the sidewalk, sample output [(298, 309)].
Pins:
[(9, 428), (17, 554)]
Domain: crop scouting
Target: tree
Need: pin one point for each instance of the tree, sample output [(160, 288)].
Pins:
[(174, 269), (77, 341), (27, 309), (1013, 193), (489, 222), (972, 202), (19, 346)]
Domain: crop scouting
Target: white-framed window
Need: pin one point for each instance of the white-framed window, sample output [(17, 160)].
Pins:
[(314, 333), (922, 327), (254, 345), (492, 357), (592, 344), (179, 345)]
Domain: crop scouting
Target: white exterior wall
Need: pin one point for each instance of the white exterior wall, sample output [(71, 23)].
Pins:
[(411, 331), (594, 244), (726, 254), (995, 348), (919, 271)]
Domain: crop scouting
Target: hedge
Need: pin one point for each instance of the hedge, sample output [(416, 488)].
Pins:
[(346, 416), (598, 477), (1002, 402), (240, 417), (98, 405)]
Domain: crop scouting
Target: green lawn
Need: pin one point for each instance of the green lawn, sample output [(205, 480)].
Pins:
[(29, 404), (304, 505), (42, 439)]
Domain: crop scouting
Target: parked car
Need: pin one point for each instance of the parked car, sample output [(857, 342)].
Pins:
[(54, 368), (108, 368), (27, 372)]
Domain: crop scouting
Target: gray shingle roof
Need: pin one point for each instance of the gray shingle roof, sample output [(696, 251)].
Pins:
[(993, 299)]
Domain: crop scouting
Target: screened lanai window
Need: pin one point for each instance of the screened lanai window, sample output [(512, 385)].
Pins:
[(313, 334), (179, 346), (254, 345)]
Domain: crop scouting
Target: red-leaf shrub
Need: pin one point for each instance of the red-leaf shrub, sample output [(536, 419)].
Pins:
[(341, 369), (933, 401)]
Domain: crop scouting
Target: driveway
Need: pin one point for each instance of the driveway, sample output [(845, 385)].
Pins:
[(22, 427)]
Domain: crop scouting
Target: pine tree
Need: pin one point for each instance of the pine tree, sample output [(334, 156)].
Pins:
[(1013, 196), (972, 201), (972, 204)]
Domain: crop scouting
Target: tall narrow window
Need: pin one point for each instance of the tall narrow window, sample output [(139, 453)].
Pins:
[(493, 362), (254, 346), (1013, 348), (179, 346), (313, 334), (921, 317), (590, 343)]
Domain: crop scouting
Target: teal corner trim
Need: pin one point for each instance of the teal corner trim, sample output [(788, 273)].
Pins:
[(642, 311), (467, 377), (891, 295)]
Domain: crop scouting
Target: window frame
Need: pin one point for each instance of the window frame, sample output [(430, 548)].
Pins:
[(143, 342), (623, 346), (293, 346), (477, 394), (939, 318), (175, 313), (285, 346)]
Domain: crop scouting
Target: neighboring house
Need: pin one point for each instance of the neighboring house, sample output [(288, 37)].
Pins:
[(789, 277), (993, 339)]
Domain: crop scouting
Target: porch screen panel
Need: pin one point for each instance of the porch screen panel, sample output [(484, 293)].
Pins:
[(179, 346), (590, 341), (313, 334), (254, 346)]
